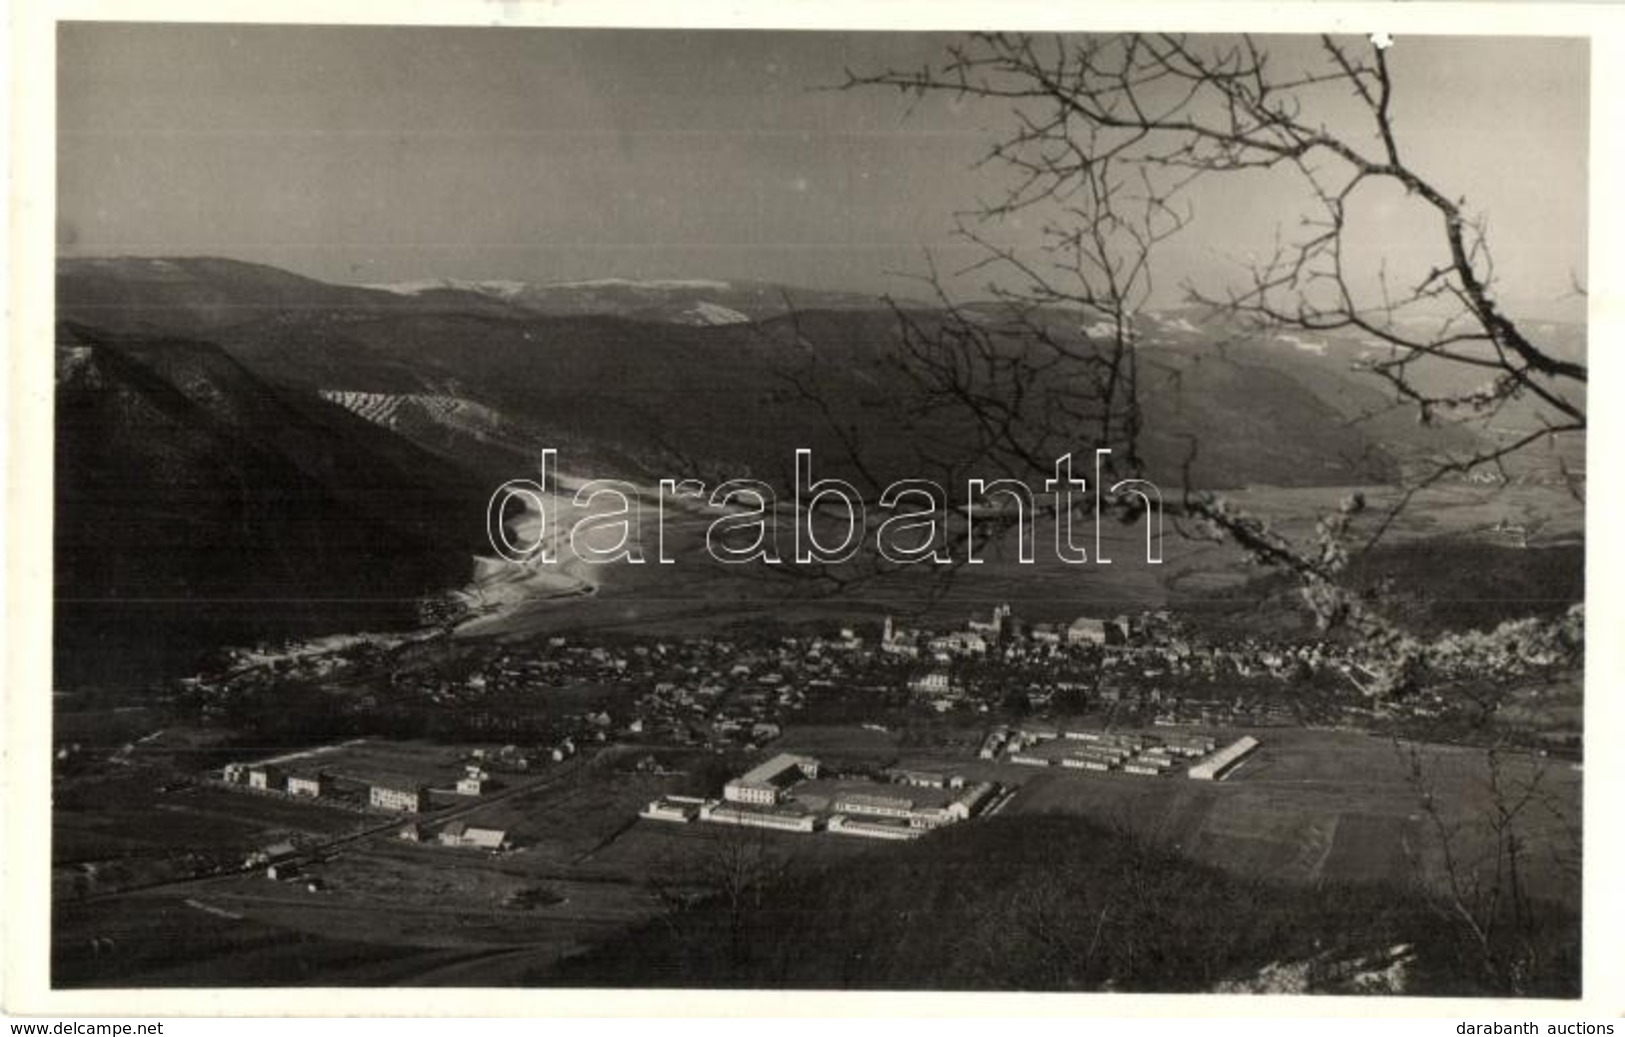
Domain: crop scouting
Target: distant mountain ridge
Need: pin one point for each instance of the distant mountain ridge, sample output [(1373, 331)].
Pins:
[(680, 300), (199, 293), (700, 368)]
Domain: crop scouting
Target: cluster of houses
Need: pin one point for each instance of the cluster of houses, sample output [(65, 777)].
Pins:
[(1006, 631), (1108, 661), (740, 690), (702, 691)]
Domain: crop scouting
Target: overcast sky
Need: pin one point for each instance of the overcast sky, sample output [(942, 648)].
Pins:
[(381, 154)]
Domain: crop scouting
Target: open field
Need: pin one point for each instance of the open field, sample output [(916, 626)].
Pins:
[(102, 729), (1314, 805), (1365, 845), (674, 850), (843, 739), (162, 941), (357, 932)]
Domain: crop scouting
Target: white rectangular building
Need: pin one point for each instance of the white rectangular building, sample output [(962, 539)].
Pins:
[(405, 800), (313, 786), (783, 821), (1222, 762), (268, 778), (764, 785)]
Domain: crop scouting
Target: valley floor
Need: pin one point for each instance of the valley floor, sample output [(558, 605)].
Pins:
[(1313, 806)]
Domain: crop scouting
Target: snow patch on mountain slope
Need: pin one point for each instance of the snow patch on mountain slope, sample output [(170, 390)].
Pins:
[(1175, 323), (1105, 329), (384, 409), (495, 289), (712, 313), (1314, 346), (699, 285)]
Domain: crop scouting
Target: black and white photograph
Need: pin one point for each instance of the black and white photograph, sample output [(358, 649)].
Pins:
[(818, 509)]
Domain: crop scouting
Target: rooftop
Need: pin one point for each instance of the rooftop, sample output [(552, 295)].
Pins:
[(822, 794), (765, 773)]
